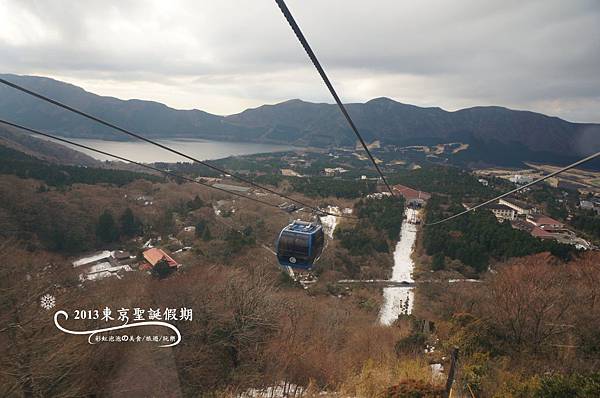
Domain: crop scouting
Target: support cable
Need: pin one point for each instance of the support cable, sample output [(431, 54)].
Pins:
[(290, 18), (166, 148), (487, 202)]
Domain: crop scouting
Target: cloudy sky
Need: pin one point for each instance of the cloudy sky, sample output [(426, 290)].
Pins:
[(223, 56)]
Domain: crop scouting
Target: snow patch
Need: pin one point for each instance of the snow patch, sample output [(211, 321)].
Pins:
[(329, 222), (437, 372), (91, 259), (399, 300)]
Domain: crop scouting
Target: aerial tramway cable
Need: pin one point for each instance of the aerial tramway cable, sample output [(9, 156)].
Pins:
[(166, 148), (572, 165), (290, 18), (315, 247)]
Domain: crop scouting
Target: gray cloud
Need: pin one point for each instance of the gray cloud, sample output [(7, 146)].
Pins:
[(223, 56)]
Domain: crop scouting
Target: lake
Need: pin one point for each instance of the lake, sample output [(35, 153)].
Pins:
[(199, 149)]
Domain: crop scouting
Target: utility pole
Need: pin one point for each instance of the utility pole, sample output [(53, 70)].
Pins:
[(451, 372)]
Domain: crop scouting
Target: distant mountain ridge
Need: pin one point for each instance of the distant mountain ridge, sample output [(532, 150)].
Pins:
[(488, 129)]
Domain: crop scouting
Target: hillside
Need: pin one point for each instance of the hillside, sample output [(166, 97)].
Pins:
[(494, 133), (43, 149)]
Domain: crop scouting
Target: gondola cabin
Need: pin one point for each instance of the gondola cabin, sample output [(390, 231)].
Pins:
[(300, 244)]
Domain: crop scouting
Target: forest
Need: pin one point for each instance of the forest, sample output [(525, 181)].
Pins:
[(255, 327), (588, 222), (528, 330), (321, 187), (24, 166), (478, 238), (447, 180), (376, 230)]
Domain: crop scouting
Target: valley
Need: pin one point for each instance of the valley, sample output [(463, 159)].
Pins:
[(220, 242), (327, 200)]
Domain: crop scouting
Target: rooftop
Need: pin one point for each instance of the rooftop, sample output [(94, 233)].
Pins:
[(518, 203), (154, 255), (229, 187), (541, 219), (410, 193), (303, 227), (541, 233), (498, 206)]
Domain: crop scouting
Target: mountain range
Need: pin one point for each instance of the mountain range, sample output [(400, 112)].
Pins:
[(497, 134)]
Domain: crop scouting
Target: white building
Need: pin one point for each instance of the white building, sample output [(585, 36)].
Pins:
[(521, 179), (333, 171), (503, 212), (586, 205), (522, 208)]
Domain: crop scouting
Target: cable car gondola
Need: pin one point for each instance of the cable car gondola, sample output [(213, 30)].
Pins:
[(300, 244)]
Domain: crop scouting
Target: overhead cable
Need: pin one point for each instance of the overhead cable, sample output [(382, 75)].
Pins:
[(168, 173), (166, 148), (572, 165), (290, 18)]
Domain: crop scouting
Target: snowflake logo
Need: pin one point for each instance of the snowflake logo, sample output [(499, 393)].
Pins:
[(47, 301)]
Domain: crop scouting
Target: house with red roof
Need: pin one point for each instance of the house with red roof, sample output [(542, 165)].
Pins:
[(154, 255)]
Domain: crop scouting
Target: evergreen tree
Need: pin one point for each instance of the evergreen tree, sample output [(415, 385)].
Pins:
[(206, 236), (166, 223), (200, 227), (130, 226), (162, 269), (438, 262), (195, 203), (106, 230)]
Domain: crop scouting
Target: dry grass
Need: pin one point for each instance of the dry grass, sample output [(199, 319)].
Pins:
[(376, 377)]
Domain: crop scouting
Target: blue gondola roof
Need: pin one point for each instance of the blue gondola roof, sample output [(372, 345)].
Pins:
[(302, 227)]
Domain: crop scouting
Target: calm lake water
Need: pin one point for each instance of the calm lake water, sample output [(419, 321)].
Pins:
[(200, 149)]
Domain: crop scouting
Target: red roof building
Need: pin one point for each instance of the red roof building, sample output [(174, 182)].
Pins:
[(154, 255), (409, 193), (545, 222), (542, 234)]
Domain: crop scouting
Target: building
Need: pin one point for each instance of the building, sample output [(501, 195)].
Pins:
[(521, 179), (542, 233), (522, 208), (544, 227), (503, 212), (378, 195), (586, 205), (333, 171), (483, 182), (544, 222), (154, 255), (93, 259), (412, 196), (208, 179), (532, 229), (234, 188), (289, 173), (145, 200), (121, 255), (103, 270)]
